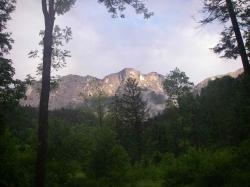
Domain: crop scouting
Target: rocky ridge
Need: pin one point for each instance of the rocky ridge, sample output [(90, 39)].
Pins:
[(73, 90), (202, 84)]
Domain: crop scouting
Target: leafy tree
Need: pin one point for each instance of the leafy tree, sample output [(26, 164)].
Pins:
[(200, 168), (50, 9), (117, 7), (82, 155), (95, 102), (109, 162), (59, 55), (68, 153), (6, 7), (166, 132), (235, 36), (176, 85), (10, 90)]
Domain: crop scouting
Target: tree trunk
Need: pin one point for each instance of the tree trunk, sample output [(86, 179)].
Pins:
[(239, 39), (42, 146), (100, 110)]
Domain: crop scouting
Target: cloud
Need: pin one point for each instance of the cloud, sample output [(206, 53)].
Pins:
[(102, 45)]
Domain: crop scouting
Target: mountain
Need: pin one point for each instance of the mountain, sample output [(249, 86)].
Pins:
[(202, 84), (73, 90)]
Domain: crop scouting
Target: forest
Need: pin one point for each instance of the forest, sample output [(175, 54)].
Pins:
[(200, 139)]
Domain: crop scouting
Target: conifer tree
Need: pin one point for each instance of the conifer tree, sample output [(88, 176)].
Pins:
[(130, 113)]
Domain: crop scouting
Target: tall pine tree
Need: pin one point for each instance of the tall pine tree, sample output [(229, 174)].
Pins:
[(130, 113)]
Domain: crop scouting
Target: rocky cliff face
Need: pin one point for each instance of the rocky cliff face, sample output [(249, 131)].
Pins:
[(73, 90)]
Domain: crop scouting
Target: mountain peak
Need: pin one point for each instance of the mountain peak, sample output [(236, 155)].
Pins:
[(128, 70)]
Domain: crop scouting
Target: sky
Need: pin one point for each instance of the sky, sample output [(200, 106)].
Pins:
[(102, 45)]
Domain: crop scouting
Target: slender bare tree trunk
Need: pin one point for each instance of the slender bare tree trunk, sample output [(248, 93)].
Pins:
[(239, 39), (49, 17)]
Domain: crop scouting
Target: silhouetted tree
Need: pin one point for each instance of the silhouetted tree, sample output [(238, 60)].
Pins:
[(50, 9), (11, 90), (117, 7), (132, 108), (130, 112), (6, 7), (232, 42)]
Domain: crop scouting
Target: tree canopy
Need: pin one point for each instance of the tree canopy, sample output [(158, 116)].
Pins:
[(216, 10), (177, 84), (11, 90), (234, 40), (117, 7)]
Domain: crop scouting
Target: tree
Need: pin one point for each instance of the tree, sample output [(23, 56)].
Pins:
[(50, 9), (176, 85), (95, 102), (109, 162), (117, 7), (6, 7), (233, 43), (130, 112), (99, 102), (59, 55), (131, 107), (11, 90)]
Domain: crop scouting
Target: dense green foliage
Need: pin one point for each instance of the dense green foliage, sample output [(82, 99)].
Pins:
[(202, 142), (11, 90), (176, 85)]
